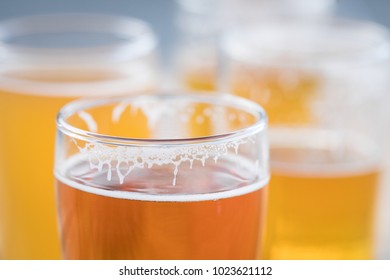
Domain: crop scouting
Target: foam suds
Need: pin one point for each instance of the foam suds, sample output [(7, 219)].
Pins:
[(118, 159)]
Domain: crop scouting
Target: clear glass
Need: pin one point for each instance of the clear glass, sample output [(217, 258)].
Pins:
[(46, 61), (322, 83), (163, 176), (200, 22)]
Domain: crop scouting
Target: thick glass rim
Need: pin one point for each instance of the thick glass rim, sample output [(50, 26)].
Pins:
[(137, 36), (220, 99), (237, 42)]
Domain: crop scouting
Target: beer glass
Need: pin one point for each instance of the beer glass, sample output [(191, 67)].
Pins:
[(172, 194), (46, 61), (322, 84), (199, 24)]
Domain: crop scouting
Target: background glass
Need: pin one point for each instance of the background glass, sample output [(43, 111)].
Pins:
[(174, 193), (199, 24), (322, 83), (46, 61)]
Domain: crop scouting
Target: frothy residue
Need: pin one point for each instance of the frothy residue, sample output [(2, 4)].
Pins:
[(123, 160)]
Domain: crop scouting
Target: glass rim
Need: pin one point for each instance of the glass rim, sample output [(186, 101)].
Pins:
[(137, 35), (376, 34), (221, 99)]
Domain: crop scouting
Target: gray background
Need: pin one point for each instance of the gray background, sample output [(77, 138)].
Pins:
[(160, 13)]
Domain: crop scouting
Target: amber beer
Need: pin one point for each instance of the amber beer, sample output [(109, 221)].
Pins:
[(172, 195), (116, 224), (31, 95), (322, 198)]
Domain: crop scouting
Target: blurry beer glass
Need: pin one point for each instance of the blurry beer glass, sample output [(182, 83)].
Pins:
[(322, 84), (168, 195), (46, 61), (199, 23)]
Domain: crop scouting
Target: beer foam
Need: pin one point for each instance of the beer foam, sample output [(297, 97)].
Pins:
[(131, 157)]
